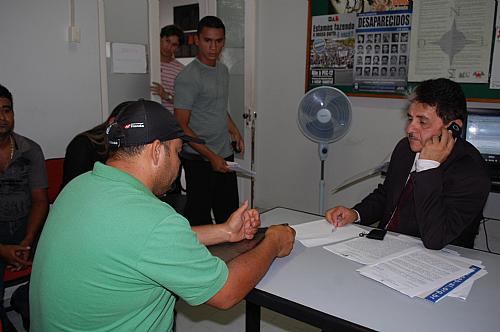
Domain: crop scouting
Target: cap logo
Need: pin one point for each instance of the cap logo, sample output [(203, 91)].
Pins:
[(134, 125)]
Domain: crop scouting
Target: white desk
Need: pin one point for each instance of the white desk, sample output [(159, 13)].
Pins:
[(323, 289)]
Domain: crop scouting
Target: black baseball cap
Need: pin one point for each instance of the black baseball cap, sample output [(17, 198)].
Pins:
[(143, 121)]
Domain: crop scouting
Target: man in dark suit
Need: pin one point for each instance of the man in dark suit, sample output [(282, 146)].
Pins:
[(436, 185)]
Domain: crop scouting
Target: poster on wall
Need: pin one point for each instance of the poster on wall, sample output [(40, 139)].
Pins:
[(451, 39), (495, 64), (331, 50), (382, 51), (364, 6)]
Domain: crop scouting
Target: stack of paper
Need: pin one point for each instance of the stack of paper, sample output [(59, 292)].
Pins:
[(402, 263), (427, 274)]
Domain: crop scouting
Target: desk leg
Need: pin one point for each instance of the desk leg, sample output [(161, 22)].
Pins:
[(252, 317)]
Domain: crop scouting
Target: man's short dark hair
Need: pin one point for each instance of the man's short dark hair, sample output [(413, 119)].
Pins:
[(445, 94), (5, 93), (171, 30), (124, 152), (210, 22)]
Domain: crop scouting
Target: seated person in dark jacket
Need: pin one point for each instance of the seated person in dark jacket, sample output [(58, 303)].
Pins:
[(87, 148), (436, 186)]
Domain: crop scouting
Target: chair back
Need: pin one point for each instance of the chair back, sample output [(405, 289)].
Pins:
[(55, 177)]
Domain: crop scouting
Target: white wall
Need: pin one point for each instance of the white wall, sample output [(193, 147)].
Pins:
[(288, 165), (55, 84)]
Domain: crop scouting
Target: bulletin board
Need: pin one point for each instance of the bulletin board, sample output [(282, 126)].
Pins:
[(479, 92)]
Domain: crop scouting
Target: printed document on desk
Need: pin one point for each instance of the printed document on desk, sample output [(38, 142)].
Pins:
[(320, 232), (415, 271), (459, 287), (369, 251)]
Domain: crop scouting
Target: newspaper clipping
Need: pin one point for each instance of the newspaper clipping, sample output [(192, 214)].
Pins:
[(332, 50), (452, 39), (363, 6), (382, 51)]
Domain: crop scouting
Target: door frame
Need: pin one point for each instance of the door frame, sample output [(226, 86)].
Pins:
[(208, 7)]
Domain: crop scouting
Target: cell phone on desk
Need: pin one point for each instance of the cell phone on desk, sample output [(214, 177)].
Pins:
[(455, 129), (376, 234)]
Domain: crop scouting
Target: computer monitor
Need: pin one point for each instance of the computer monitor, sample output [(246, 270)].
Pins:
[(483, 131)]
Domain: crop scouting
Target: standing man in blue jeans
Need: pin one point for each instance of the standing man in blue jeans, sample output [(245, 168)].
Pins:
[(200, 106), (23, 194)]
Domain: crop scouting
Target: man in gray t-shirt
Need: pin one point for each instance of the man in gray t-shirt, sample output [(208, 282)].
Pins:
[(23, 195), (200, 106)]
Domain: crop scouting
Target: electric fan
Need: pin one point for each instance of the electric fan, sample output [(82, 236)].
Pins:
[(324, 117)]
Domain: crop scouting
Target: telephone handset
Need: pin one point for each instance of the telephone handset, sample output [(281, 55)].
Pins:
[(455, 129)]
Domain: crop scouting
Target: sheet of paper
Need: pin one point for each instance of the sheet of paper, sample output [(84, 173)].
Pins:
[(451, 39), (368, 251), (464, 289), (414, 271), (453, 289), (320, 232), (460, 290), (442, 291), (237, 168), (129, 58)]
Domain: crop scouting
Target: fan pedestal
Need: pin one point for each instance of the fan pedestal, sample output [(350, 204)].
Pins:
[(323, 154)]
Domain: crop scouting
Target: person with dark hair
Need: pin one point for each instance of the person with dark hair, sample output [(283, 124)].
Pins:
[(436, 185), (392, 71), (87, 148), (402, 71), (113, 257), (24, 202), (201, 99), (170, 40)]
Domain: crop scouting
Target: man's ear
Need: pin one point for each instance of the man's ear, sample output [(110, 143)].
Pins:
[(156, 151), (196, 40), (457, 121)]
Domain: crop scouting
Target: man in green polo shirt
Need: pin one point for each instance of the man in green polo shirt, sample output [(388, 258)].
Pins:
[(112, 256)]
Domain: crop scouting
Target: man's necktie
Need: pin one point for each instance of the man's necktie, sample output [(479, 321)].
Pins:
[(405, 196)]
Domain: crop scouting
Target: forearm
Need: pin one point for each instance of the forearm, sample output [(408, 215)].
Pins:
[(36, 219), (212, 234), (245, 272), (183, 117)]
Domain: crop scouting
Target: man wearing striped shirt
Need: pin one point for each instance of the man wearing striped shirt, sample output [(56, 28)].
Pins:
[(171, 36)]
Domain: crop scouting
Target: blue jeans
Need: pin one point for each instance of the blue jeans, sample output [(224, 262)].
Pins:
[(11, 232)]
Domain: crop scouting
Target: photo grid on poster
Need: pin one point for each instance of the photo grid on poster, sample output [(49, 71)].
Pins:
[(382, 51)]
